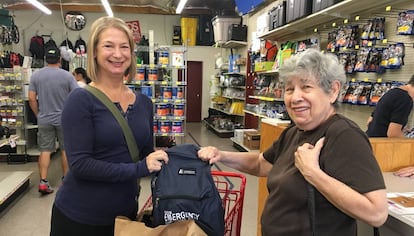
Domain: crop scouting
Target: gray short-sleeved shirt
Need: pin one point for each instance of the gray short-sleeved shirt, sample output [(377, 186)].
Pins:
[(52, 85)]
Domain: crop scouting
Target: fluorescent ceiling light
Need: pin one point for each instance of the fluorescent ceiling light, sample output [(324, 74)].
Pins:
[(180, 6), (107, 7), (40, 6)]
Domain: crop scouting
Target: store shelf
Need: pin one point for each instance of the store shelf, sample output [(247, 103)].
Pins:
[(342, 10), (234, 44), (268, 72), (268, 99), (33, 152), (237, 98), (222, 133), (31, 126), (255, 114), (234, 73), (239, 146), (226, 112), (12, 184)]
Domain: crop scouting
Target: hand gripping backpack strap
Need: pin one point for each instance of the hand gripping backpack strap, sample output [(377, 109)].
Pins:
[(129, 137)]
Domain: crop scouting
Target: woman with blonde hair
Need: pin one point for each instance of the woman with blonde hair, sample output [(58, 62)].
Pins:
[(102, 179)]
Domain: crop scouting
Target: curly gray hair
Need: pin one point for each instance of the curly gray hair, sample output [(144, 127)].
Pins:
[(324, 67)]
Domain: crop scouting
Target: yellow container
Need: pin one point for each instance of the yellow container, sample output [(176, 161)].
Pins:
[(189, 30)]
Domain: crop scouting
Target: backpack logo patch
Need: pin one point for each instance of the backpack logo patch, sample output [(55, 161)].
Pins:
[(171, 217), (183, 171)]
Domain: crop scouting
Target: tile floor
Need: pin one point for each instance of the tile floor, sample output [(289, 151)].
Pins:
[(29, 214)]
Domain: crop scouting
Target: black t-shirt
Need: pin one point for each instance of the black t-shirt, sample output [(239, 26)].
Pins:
[(394, 106), (346, 156)]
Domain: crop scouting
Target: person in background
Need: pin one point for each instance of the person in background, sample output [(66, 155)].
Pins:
[(391, 116), (102, 180), (48, 89), (322, 154), (392, 111), (81, 77)]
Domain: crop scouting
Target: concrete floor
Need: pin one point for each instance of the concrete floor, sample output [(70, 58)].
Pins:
[(29, 214)]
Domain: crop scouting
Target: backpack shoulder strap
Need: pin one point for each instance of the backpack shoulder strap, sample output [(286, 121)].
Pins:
[(129, 137)]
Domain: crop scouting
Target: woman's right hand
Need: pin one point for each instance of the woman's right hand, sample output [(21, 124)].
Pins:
[(154, 160), (210, 154)]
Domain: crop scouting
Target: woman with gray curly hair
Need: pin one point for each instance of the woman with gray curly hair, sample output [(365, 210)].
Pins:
[(322, 156)]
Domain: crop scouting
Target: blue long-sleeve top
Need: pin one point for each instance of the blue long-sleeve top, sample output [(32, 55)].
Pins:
[(102, 179)]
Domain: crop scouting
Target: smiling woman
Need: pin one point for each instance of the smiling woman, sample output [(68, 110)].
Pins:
[(311, 162), (102, 182)]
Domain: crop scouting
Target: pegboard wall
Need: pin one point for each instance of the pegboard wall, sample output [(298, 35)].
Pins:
[(407, 70)]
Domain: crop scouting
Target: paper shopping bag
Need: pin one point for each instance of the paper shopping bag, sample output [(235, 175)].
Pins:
[(126, 227)]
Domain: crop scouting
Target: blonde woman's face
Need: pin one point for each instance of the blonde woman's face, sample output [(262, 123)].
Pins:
[(113, 53)]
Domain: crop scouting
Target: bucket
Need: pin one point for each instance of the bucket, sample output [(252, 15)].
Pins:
[(165, 127), (166, 92), (221, 27), (163, 110), (189, 30), (140, 74), (177, 127), (153, 74), (178, 110), (163, 58), (177, 92)]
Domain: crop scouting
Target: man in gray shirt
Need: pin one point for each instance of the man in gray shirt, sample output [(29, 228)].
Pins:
[(48, 90)]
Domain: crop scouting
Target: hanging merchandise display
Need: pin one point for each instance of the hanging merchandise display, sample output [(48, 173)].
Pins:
[(405, 23)]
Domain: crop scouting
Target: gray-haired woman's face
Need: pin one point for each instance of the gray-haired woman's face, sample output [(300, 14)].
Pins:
[(307, 103)]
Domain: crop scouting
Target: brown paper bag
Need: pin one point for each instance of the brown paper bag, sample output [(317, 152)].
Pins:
[(126, 227)]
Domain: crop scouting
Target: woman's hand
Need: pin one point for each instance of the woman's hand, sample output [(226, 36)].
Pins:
[(369, 120), (307, 157), (210, 154), (405, 172), (155, 159)]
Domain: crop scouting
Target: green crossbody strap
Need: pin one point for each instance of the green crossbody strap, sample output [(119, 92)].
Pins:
[(129, 137)]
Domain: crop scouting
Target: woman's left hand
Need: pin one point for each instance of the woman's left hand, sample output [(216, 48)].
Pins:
[(405, 172), (307, 157)]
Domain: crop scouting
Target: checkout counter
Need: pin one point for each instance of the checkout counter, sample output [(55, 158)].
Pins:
[(391, 154)]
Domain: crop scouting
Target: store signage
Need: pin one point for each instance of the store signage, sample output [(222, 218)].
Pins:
[(136, 30)]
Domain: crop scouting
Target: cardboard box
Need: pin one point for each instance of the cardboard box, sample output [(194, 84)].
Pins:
[(239, 135), (251, 139)]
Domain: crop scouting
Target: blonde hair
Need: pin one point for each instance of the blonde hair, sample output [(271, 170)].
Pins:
[(97, 28)]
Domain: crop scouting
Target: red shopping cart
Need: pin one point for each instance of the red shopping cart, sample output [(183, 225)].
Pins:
[(231, 187)]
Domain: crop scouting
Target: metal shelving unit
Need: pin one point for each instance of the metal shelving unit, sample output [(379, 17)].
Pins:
[(13, 113), (165, 82)]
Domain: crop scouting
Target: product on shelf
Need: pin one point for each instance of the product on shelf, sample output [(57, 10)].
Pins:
[(405, 22)]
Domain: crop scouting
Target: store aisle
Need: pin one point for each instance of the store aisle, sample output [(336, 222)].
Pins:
[(29, 215)]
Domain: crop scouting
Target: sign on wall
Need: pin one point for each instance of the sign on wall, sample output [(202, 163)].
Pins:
[(136, 30)]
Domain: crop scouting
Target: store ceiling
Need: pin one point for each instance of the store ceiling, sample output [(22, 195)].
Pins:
[(193, 7)]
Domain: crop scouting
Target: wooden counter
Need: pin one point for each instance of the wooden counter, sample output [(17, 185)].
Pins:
[(268, 133), (393, 153)]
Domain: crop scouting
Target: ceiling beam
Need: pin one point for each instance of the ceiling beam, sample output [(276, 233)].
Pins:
[(95, 8)]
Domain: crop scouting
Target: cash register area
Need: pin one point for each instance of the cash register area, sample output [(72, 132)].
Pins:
[(24, 212)]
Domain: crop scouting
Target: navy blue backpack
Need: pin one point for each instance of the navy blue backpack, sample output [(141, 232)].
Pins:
[(184, 189)]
